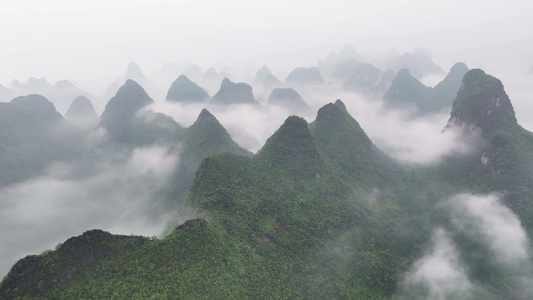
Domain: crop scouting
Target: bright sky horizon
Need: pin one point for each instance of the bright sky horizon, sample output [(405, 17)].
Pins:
[(92, 42)]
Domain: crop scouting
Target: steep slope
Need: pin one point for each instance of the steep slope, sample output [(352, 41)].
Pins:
[(234, 93), (61, 93), (39, 107), (134, 72), (446, 90), (77, 255), (406, 91), (482, 104), (289, 99), (186, 91), (82, 114), (285, 223), (204, 138), (327, 66), (6, 94), (341, 139), (502, 159), (266, 79), (33, 135), (346, 69), (193, 72), (124, 126)]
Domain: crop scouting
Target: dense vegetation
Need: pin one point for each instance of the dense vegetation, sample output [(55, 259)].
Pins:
[(318, 213), (289, 99)]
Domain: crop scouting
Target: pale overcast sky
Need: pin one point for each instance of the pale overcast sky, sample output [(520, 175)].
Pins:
[(95, 40)]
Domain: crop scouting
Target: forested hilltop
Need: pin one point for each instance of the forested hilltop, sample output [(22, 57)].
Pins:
[(319, 212)]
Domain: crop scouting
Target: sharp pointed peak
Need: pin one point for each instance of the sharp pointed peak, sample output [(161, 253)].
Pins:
[(340, 104), (459, 67), (183, 77), (205, 114), (481, 103)]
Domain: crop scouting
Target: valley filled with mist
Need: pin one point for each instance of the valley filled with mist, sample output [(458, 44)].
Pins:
[(363, 176)]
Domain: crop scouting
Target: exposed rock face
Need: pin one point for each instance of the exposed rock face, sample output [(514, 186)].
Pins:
[(234, 93), (184, 90), (82, 114), (292, 148), (289, 99), (481, 103), (305, 76)]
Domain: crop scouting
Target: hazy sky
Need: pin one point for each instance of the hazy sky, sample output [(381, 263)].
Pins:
[(93, 41)]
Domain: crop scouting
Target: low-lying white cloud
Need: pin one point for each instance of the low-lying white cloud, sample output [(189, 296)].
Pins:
[(248, 126), (418, 140), (439, 270), (501, 229), (37, 214)]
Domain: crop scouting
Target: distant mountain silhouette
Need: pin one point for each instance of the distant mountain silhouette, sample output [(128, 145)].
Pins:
[(33, 136), (419, 64), (289, 99), (134, 72), (328, 65), (233, 93), (266, 79), (124, 126), (61, 94), (407, 91), (193, 72), (82, 114), (368, 79), (186, 91), (305, 76), (346, 69)]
